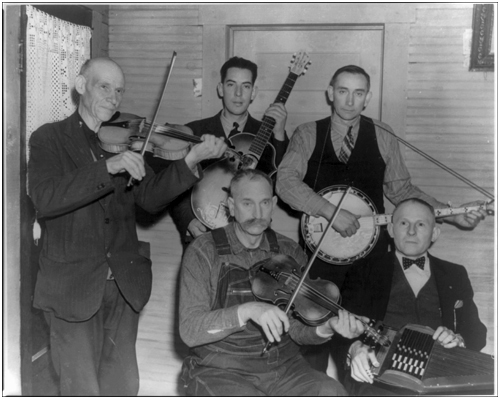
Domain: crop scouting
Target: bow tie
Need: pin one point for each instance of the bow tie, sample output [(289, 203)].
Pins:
[(420, 262)]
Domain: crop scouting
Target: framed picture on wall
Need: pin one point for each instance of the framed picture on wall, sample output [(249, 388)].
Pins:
[(482, 51)]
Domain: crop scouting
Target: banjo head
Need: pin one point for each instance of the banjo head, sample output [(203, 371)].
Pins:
[(335, 249)]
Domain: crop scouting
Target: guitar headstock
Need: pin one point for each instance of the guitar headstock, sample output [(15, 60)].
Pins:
[(300, 62)]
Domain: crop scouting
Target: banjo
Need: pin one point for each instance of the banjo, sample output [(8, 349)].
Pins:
[(339, 250)]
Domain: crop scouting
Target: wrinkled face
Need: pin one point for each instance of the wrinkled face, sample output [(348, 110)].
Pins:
[(237, 91), (349, 95), (101, 92), (252, 205), (413, 228)]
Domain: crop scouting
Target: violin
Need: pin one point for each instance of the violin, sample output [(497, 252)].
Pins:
[(276, 280), (125, 132)]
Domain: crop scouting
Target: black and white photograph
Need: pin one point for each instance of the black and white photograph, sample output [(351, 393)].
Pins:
[(250, 199)]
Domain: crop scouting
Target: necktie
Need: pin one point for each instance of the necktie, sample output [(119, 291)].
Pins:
[(420, 262), (235, 129), (347, 146)]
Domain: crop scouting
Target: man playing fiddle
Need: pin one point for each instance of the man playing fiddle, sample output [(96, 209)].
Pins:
[(227, 328), (95, 275), (237, 90), (410, 285)]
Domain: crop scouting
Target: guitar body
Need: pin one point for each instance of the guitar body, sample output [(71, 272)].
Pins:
[(209, 196)]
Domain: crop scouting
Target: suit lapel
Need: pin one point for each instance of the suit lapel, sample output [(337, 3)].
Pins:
[(444, 285), (76, 144), (252, 126)]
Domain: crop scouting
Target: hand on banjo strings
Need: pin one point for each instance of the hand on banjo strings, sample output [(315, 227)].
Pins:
[(346, 224)]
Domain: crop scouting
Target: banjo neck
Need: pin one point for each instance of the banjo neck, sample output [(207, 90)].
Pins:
[(384, 219)]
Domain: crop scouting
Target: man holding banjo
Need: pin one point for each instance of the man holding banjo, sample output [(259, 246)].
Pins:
[(349, 149)]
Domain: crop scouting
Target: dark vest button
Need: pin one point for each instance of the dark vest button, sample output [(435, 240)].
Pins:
[(106, 220)]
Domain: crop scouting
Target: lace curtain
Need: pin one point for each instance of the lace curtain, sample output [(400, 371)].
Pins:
[(55, 51)]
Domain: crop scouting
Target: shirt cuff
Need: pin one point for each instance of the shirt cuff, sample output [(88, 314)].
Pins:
[(322, 335)]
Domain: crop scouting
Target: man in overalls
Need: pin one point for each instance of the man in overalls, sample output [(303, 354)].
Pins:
[(224, 324)]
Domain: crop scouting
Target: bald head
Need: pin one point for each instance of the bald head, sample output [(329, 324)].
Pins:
[(413, 227), (100, 84), (92, 64)]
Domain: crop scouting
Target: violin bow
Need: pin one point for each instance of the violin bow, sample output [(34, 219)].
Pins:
[(311, 259), (152, 126), (441, 165)]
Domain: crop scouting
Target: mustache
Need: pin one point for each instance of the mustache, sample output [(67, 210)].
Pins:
[(255, 221)]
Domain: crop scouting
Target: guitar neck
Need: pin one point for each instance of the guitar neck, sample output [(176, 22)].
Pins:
[(382, 220), (266, 128)]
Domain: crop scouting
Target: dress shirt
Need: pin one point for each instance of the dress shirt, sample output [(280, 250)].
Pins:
[(415, 276), (292, 169), (228, 125)]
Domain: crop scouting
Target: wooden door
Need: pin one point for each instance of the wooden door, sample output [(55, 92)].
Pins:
[(329, 47)]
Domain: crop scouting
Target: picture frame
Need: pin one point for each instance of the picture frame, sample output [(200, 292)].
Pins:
[(482, 53)]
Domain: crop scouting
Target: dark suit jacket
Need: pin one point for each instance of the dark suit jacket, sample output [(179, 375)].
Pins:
[(90, 221), (367, 288), (181, 211)]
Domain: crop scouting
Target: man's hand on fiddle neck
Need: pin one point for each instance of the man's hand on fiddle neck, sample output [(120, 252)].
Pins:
[(211, 147), (345, 324)]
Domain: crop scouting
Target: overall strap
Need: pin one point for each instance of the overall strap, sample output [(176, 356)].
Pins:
[(221, 241), (273, 241)]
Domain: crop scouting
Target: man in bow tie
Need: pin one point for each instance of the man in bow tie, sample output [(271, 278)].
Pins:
[(410, 286)]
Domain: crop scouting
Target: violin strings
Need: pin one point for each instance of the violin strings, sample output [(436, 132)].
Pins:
[(315, 293)]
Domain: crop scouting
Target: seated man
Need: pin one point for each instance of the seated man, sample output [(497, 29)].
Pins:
[(410, 286), (227, 328)]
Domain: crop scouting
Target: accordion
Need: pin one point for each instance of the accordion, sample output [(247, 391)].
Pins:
[(415, 361)]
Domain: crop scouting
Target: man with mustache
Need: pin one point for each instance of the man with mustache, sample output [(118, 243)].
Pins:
[(95, 275), (224, 324)]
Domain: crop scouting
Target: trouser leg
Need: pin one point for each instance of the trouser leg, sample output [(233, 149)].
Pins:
[(299, 379), (118, 372), (97, 357), (75, 352)]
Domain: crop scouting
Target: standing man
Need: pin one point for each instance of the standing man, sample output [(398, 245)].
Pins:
[(407, 286), (95, 276), (237, 90), (224, 324), (348, 148)]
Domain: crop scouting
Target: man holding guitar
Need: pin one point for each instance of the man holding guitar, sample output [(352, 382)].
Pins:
[(237, 90), (349, 149)]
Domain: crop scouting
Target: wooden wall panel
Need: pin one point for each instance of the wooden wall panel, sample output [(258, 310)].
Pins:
[(451, 116), (142, 40)]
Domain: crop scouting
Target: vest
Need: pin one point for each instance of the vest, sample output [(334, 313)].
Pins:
[(364, 170), (404, 308)]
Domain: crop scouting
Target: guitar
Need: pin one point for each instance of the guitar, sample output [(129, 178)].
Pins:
[(209, 195), (338, 250)]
